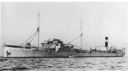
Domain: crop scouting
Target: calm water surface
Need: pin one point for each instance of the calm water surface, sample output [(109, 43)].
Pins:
[(65, 64)]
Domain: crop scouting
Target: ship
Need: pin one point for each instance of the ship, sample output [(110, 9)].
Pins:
[(56, 48)]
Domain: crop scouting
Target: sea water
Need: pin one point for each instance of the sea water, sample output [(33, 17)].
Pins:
[(65, 64)]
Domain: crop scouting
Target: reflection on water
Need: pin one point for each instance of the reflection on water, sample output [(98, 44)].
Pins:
[(64, 64)]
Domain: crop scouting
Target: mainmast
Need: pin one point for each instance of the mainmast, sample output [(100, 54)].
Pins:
[(80, 35)]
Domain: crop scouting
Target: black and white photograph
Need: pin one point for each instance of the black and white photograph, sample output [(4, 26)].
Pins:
[(64, 36)]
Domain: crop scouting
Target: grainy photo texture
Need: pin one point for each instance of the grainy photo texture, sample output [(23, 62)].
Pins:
[(63, 36)]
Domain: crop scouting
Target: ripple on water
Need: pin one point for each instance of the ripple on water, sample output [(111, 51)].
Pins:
[(15, 68), (64, 64)]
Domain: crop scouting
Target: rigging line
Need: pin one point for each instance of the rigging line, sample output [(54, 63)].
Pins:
[(33, 37), (28, 38), (75, 38), (76, 45)]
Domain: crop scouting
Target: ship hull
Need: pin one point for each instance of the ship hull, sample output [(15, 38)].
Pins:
[(99, 54), (30, 53)]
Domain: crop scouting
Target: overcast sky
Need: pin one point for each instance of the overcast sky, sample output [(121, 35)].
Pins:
[(62, 20)]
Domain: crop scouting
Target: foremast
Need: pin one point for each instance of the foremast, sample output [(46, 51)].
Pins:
[(36, 33), (81, 33), (38, 29)]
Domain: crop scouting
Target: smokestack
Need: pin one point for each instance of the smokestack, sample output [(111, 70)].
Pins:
[(106, 41)]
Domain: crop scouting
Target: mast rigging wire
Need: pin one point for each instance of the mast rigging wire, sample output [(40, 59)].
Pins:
[(29, 38)]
